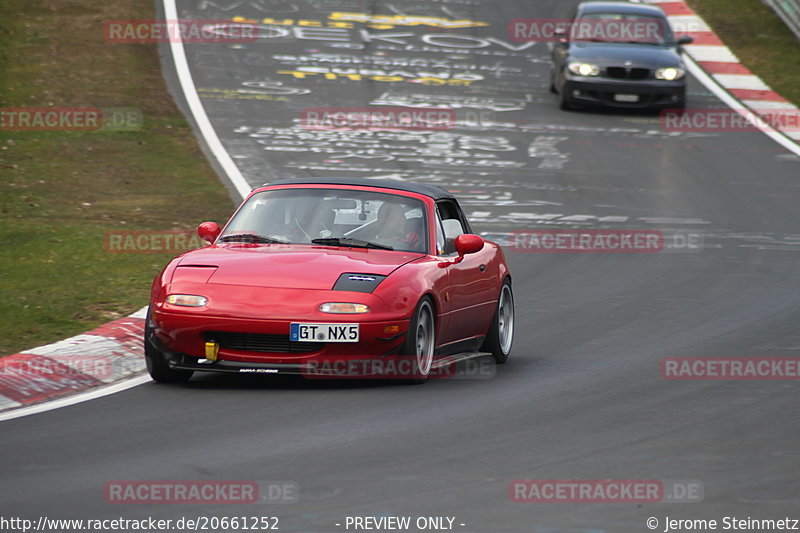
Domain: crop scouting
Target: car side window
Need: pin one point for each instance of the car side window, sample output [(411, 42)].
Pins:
[(452, 224)]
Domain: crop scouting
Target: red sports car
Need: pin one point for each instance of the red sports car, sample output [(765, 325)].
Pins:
[(333, 277)]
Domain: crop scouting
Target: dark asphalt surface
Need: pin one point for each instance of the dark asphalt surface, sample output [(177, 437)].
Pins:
[(581, 396)]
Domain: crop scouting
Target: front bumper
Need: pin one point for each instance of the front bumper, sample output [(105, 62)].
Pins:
[(183, 337), (602, 91), (320, 366)]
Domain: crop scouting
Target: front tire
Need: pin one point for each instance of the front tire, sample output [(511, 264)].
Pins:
[(564, 99), (421, 341), (501, 333), (157, 365)]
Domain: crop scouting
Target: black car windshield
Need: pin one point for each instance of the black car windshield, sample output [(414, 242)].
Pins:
[(619, 28), (335, 217)]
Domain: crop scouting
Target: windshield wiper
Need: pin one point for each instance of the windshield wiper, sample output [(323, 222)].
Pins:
[(251, 237), (347, 241), (606, 41)]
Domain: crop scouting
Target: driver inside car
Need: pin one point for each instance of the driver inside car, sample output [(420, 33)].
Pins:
[(395, 230)]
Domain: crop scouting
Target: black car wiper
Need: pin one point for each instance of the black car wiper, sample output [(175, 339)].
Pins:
[(347, 241), (251, 237), (606, 41)]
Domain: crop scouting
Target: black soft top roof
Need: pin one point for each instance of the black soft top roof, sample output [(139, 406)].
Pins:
[(433, 191)]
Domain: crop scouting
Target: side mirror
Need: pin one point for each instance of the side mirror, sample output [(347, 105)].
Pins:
[(560, 34), (685, 39), (209, 231), (465, 244), (468, 244)]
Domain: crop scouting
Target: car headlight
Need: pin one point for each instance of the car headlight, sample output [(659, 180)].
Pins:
[(344, 308), (187, 300), (670, 73), (584, 69)]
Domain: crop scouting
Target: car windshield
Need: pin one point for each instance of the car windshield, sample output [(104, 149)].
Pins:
[(336, 217), (618, 28)]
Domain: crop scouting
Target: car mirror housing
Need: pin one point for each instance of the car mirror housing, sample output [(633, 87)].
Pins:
[(685, 39), (465, 244), (209, 231), (469, 244)]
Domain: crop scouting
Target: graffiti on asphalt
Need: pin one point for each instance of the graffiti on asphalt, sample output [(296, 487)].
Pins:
[(546, 150), (274, 87), (450, 101), (421, 147)]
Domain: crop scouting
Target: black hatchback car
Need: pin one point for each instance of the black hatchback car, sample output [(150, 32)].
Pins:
[(619, 54)]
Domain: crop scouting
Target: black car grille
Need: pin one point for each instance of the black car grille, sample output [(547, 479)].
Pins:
[(259, 342), (623, 73)]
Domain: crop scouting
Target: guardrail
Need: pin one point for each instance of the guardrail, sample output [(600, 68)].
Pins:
[(789, 12)]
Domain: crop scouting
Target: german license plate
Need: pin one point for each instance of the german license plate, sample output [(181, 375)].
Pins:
[(632, 98), (304, 332)]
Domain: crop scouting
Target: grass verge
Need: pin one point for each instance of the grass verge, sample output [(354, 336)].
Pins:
[(61, 192), (759, 38)]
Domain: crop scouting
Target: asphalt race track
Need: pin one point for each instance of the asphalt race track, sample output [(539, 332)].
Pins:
[(581, 397)]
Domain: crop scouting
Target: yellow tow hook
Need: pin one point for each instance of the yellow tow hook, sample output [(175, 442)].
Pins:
[(212, 350)]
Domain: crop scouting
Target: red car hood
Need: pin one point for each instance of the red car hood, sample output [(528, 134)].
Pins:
[(290, 266)]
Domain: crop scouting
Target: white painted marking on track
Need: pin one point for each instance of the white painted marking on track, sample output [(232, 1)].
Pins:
[(706, 52), (578, 218), (8, 403), (672, 220), (768, 104), (197, 109), (734, 104), (78, 398), (741, 81)]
